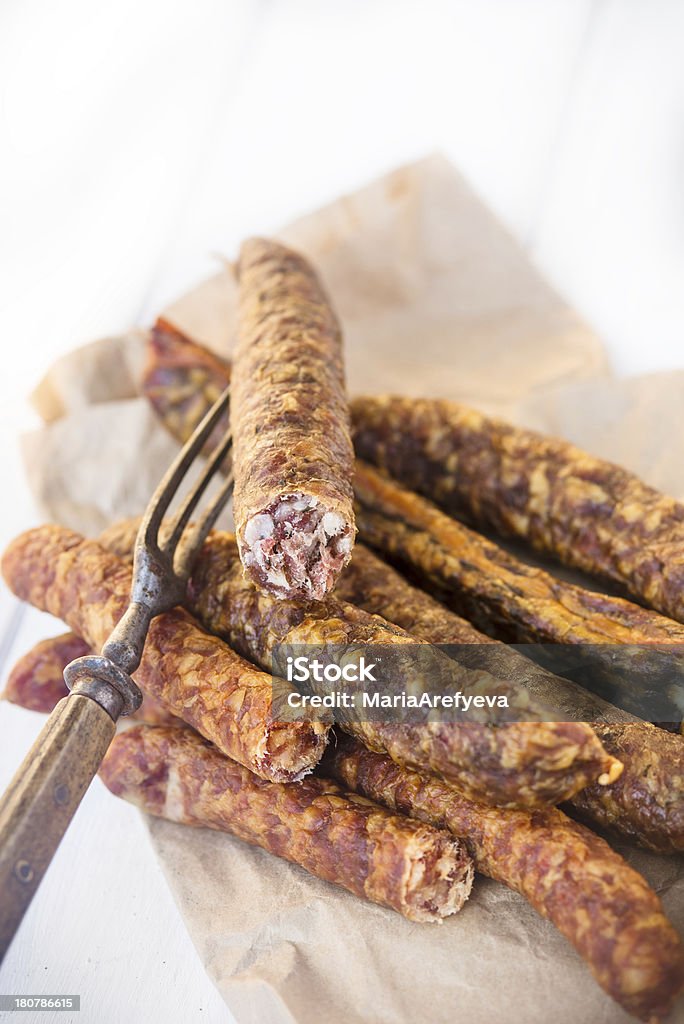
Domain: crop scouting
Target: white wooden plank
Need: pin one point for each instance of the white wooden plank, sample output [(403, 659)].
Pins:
[(336, 94), (611, 231)]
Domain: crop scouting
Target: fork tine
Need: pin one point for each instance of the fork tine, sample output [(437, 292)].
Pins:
[(161, 499), (182, 517), (194, 538)]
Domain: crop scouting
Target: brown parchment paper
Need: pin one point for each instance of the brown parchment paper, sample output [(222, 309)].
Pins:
[(436, 299)]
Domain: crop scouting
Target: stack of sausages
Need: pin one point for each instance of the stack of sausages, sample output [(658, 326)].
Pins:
[(401, 813)]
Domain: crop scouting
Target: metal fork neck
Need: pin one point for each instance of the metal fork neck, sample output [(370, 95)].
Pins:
[(127, 640)]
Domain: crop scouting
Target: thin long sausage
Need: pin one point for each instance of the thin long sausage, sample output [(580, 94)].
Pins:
[(292, 453), (646, 802), (587, 512), (612, 917), (195, 676), (37, 682), (423, 873), (182, 379)]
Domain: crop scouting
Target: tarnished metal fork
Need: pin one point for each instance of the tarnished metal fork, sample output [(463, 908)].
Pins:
[(41, 800)]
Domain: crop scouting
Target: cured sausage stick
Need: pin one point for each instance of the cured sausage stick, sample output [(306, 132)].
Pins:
[(292, 450), (422, 873), (517, 602), (647, 800), (182, 381), (646, 803), (608, 912), (589, 513), (37, 680), (290, 420), (195, 676)]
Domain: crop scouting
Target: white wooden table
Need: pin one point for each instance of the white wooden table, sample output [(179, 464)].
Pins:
[(138, 139)]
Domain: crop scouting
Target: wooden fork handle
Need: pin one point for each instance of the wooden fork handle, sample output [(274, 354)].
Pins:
[(41, 800)]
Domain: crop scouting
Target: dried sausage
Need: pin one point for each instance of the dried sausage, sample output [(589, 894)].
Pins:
[(422, 872), (37, 680), (182, 380), (612, 917), (587, 512), (292, 455)]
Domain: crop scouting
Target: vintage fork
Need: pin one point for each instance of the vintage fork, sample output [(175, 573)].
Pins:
[(41, 800)]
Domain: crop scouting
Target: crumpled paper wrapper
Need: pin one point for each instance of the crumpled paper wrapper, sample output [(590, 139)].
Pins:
[(435, 299)]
